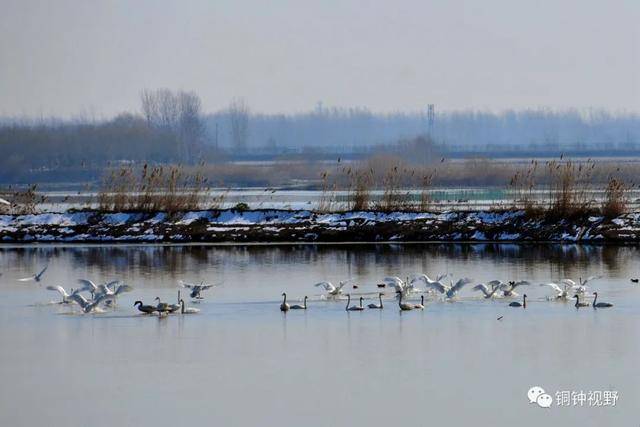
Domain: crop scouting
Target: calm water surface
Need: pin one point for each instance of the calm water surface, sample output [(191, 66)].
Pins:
[(242, 362)]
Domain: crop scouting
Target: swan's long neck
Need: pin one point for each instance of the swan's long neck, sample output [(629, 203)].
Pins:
[(380, 299), (348, 302), (577, 301), (400, 300), (285, 298), (182, 306), (595, 299), (524, 301), (305, 302)]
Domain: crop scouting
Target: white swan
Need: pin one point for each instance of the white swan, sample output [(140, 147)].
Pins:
[(188, 310), (112, 293), (401, 286), (398, 284), (196, 289), (353, 307), (403, 305), (284, 306), (377, 306), (332, 291), (581, 286), (88, 285), (66, 298), (412, 284), (517, 304), (561, 292), (427, 281), (508, 288), (450, 290), (600, 304), (579, 303), (300, 307), (495, 287), (87, 306), (35, 277)]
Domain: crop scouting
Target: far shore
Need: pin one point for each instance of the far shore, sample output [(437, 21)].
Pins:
[(278, 226)]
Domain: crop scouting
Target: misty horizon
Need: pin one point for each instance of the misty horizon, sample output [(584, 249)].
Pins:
[(67, 58), (89, 116)]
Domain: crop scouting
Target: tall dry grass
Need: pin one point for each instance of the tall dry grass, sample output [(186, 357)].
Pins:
[(22, 201), (425, 195), (154, 189), (382, 183), (560, 188), (616, 198), (360, 184), (522, 186), (570, 188), (396, 185), (557, 189)]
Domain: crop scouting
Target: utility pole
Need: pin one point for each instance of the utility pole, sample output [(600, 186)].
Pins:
[(431, 118), (216, 140)]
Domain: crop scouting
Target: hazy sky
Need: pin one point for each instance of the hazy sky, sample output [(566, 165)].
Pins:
[(63, 57)]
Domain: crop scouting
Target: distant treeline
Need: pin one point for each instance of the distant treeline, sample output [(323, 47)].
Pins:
[(171, 128), (340, 130), (81, 146)]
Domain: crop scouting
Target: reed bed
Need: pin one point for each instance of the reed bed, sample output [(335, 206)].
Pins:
[(156, 189), (554, 189), (23, 201), (616, 198)]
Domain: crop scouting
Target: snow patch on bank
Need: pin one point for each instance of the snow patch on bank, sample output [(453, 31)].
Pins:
[(493, 217), (121, 218), (64, 219), (273, 224)]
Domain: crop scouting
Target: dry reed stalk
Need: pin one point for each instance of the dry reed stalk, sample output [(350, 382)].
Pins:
[(425, 195), (616, 199), (394, 197), (570, 187), (360, 183), (23, 202), (159, 188)]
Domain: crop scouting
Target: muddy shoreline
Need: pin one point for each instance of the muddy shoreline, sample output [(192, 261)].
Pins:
[(279, 226)]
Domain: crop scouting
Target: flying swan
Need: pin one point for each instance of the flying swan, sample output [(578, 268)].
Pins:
[(35, 277), (332, 291)]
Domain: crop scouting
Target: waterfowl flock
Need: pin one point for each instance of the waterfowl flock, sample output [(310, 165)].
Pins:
[(97, 297), (442, 288), (90, 297)]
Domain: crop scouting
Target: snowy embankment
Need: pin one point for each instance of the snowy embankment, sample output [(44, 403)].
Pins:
[(308, 226)]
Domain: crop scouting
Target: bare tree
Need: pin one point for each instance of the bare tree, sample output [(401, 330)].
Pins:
[(179, 113), (239, 115), (149, 106), (190, 125), (168, 109)]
